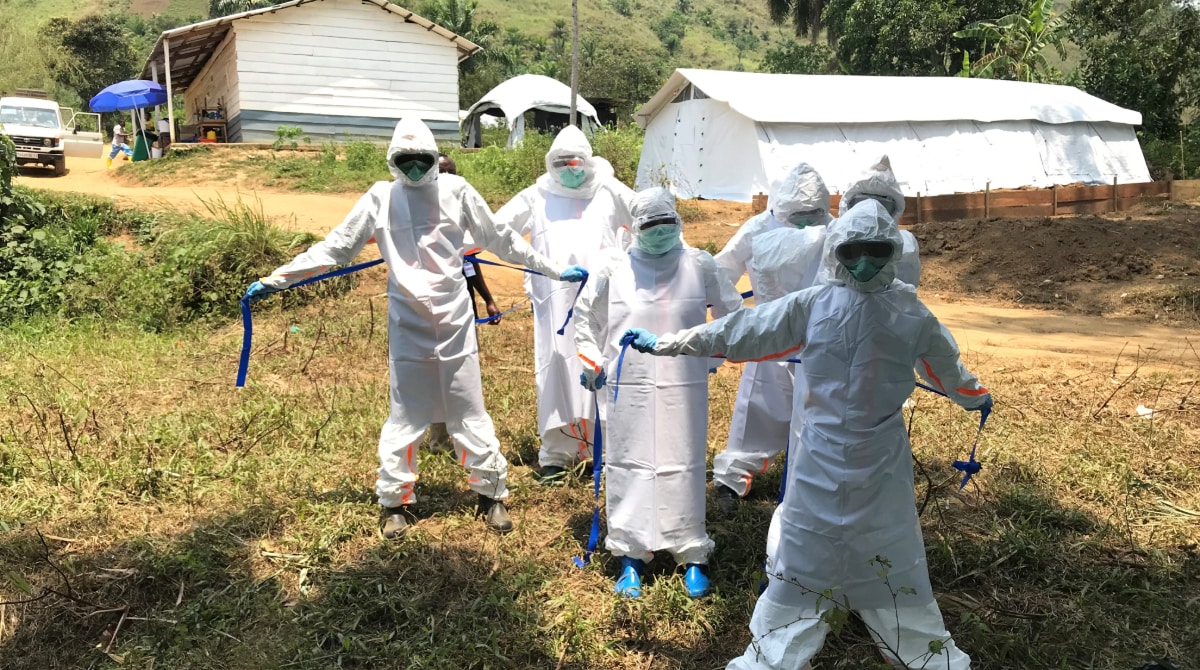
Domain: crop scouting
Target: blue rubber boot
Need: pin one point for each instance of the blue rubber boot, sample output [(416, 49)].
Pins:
[(696, 582), (629, 583)]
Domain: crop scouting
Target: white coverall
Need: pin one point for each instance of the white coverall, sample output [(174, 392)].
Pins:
[(419, 228), (777, 264), (880, 182), (657, 433), (569, 226), (850, 491)]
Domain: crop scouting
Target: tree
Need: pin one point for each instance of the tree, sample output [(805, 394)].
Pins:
[(1142, 55), (88, 54), (1013, 46), (797, 58), (219, 8), (906, 37), (804, 15), (458, 16), (670, 30)]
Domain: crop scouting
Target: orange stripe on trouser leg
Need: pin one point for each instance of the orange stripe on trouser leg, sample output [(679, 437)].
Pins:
[(766, 465), (463, 459), (748, 479), (929, 373), (973, 392)]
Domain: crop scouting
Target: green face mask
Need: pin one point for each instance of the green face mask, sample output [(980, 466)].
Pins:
[(803, 219), (658, 240), (572, 177), (414, 166), (864, 268)]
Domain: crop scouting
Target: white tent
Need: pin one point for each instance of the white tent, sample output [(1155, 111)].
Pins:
[(724, 135), (520, 94)]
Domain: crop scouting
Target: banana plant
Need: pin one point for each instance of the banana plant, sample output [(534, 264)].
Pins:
[(1014, 46)]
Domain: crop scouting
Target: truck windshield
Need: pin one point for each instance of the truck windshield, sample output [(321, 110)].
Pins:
[(29, 116)]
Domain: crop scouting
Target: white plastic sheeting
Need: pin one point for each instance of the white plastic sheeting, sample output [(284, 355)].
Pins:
[(520, 94), (943, 134)]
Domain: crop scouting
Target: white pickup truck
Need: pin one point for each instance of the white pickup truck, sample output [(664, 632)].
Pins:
[(35, 128)]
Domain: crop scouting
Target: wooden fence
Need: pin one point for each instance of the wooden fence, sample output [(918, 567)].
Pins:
[(1033, 202)]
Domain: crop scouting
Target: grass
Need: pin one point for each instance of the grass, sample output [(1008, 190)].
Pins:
[(159, 518)]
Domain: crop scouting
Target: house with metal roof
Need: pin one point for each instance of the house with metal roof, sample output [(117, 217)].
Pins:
[(336, 69)]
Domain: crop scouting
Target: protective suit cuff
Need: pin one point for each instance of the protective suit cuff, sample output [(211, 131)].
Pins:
[(596, 366), (274, 281)]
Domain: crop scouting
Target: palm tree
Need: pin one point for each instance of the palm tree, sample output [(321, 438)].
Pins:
[(805, 16), (1013, 46)]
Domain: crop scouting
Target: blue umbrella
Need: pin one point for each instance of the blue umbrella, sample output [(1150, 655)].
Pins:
[(132, 94)]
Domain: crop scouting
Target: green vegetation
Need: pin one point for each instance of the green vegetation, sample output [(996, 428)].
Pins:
[(1013, 46), (81, 257)]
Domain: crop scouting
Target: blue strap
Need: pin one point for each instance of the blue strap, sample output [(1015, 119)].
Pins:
[(625, 342), (496, 317), (248, 321), (597, 469), (747, 294), (571, 311), (475, 259), (971, 467)]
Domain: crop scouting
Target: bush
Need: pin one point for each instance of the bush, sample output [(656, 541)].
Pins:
[(1178, 157)]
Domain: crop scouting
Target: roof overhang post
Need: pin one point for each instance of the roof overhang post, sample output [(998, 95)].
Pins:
[(170, 93), (154, 78)]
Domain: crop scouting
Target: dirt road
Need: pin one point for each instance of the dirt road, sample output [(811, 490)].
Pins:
[(982, 327), (309, 212)]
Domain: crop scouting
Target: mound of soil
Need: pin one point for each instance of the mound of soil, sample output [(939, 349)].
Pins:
[(1145, 263)]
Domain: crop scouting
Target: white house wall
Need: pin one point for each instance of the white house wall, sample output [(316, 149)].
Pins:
[(341, 67), (217, 82)]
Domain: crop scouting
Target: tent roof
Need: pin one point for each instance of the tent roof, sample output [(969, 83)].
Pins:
[(800, 98), (522, 93), (192, 45)]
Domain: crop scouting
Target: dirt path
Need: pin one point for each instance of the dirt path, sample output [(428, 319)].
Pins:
[(981, 327), (309, 212)]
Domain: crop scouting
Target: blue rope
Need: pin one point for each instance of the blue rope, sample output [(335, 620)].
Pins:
[(570, 312), (248, 321), (971, 467), (597, 469)]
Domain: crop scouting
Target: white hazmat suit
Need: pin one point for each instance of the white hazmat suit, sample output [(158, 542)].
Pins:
[(420, 228), (657, 438), (850, 492), (780, 258), (879, 182), (570, 226)]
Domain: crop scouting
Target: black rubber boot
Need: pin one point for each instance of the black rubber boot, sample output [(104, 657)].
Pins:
[(552, 475), (495, 514), (394, 522), (727, 500)]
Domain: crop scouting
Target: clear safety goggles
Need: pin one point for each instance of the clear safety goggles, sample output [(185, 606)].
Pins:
[(567, 161), (878, 250)]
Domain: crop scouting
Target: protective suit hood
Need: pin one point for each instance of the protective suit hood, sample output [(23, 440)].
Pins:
[(571, 141), (879, 180), (800, 190), (867, 221), (650, 205), (412, 136)]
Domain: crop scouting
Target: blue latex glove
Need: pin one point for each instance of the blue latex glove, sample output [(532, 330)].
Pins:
[(986, 407), (258, 291), (573, 274), (640, 339), (592, 380)]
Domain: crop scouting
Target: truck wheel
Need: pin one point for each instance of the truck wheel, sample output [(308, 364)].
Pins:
[(60, 167)]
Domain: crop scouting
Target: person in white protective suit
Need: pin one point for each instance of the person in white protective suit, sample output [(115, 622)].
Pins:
[(781, 251), (419, 222), (879, 183), (574, 212), (849, 497), (657, 427)]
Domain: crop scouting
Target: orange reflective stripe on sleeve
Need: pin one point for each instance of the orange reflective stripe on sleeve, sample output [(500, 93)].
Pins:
[(474, 251), (590, 363), (929, 373), (782, 354), (372, 240), (973, 393)]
